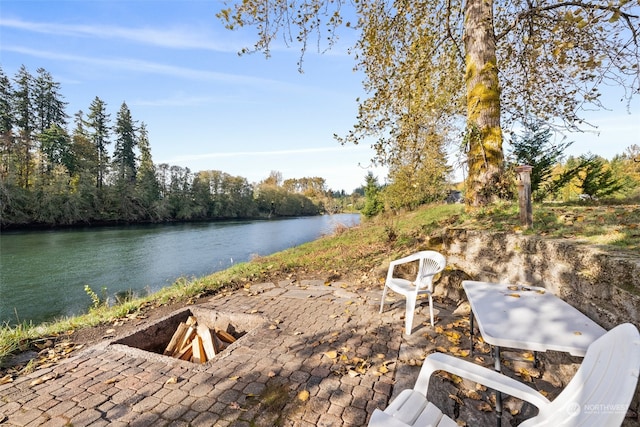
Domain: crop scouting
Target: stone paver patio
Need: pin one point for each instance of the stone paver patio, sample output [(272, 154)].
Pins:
[(321, 355)]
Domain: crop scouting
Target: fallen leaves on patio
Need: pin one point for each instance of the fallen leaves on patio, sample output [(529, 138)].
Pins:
[(453, 338), (43, 379), (49, 353), (355, 366), (303, 396)]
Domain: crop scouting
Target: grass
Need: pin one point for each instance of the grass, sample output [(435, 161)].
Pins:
[(358, 252), (615, 227)]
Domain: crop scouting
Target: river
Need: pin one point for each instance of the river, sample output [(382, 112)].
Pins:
[(43, 273)]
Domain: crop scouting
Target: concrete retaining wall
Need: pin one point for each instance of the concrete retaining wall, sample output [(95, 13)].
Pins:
[(603, 285)]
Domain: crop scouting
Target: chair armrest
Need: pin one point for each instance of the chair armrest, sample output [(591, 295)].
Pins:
[(399, 261), (487, 377), (382, 419), (408, 258)]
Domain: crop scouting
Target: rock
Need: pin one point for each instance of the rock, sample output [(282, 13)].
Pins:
[(463, 309)]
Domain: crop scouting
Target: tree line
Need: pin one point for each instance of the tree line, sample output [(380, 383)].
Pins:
[(555, 177), (101, 171)]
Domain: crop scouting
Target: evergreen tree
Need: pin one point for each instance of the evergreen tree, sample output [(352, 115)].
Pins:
[(49, 105), (146, 181), (124, 157), (6, 126), (24, 120), (535, 149), (98, 124), (55, 144), (373, 204), (124, 164), (596, 178), (50, 121)]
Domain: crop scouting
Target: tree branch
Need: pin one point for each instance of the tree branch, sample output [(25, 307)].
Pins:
[(587, 6)]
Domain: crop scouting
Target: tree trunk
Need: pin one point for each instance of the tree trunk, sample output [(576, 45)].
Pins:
[(485, 157)]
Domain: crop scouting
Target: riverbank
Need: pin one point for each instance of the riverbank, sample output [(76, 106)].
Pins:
[(361, 254), (119, 223)]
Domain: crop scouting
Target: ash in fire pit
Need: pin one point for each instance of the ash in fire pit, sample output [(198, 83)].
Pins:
[(195, 334)]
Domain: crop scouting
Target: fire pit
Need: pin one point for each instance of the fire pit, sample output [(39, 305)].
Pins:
[(194, 331)]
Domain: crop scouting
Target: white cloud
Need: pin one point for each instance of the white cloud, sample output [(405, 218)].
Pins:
[(140, 66), (175, 38)]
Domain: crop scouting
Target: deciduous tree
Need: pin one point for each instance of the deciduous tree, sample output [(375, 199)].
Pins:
[(508, 60)]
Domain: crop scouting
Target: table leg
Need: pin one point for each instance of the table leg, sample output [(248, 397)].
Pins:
[(498, 368)]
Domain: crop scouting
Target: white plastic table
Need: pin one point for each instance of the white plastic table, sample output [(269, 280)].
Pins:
[(529, 318)]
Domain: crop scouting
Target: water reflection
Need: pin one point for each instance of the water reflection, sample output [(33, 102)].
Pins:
[(43, 274)]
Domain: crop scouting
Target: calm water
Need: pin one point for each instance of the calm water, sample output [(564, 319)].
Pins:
[(43, 273)]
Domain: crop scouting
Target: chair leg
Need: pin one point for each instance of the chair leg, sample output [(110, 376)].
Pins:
[(431, 309), (384, 295), (408, 317)]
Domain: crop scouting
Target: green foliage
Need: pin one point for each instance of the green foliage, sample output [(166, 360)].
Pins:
[(596, 178), (98, 132), (55, 143), (124, 157), (590, 175), (361, 249), (276, 201), (535, 149), (450, 65), (52, 177), (373, 204), (96, 301), (419, 172)]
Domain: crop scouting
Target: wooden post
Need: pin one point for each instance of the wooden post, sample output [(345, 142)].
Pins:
[(524, 195)]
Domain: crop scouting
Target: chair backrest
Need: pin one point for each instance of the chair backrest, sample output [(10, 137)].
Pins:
[(431, 263), (600, 392)]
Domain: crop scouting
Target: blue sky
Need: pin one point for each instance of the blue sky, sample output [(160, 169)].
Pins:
[(205, 107)]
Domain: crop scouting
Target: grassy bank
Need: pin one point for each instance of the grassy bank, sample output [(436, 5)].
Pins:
[(356, 254)]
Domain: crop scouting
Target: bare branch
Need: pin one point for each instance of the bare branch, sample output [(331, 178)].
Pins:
[(534, 10)]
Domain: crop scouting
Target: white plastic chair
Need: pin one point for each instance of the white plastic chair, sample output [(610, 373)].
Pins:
[(598, 395), (430, 263)]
